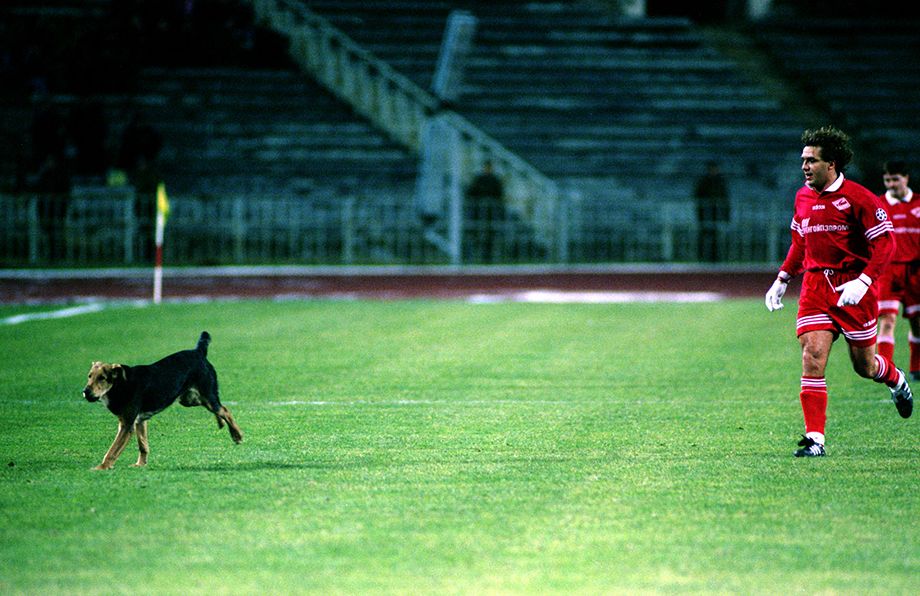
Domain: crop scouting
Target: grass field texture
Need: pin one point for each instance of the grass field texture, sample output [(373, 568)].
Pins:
[(443, 447)]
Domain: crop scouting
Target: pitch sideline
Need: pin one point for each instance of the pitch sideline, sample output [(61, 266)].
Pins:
[(531, 296), (70, 311)]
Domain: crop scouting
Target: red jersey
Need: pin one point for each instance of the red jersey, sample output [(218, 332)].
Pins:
[(905, 217), (844, 228)]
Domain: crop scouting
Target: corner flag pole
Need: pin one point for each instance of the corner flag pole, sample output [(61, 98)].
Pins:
[(162, 214)]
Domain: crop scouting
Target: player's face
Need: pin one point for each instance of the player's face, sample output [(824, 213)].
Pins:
[(896, 184), (819, 174)]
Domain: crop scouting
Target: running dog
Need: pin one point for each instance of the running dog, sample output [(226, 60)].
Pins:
[(136, 393)]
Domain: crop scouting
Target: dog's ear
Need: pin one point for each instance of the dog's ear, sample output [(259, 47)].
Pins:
[(118, 372)]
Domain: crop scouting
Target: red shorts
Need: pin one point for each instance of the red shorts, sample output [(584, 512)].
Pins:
[(818, 309), (900, 284)]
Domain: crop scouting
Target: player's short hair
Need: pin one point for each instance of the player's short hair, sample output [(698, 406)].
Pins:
[(834, 144), (896, 166)]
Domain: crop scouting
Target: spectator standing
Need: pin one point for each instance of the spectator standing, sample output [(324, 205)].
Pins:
[(899, 285), (842, 240), (138, 156), (140, 141), (713, 211), (89, 131), (48, 174), (48, 133), (486, 212)]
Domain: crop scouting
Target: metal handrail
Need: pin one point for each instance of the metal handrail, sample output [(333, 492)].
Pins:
[(400, 107)]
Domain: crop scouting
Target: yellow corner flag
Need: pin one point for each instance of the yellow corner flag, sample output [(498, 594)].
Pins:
[(162, 200), (162, 213)]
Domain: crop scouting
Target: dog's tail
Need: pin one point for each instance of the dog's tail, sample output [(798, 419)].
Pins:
[(203, 342)]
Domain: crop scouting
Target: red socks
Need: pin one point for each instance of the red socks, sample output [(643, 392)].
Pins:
[(914, 353), (814, 394), (814, 403), (887, 373), (885, 347)]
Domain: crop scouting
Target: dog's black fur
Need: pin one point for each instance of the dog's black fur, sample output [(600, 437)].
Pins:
[(136, 393)]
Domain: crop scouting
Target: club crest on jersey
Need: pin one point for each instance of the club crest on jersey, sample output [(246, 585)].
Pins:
[(915, 211), (881, 214), (841, 203)]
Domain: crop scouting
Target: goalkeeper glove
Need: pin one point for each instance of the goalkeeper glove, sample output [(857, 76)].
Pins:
[(774, 297), (853, 291)]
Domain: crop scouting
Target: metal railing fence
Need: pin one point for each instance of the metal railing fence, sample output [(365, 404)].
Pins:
[(115, 228)]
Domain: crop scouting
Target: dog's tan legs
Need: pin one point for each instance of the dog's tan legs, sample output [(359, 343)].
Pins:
[(118, 445), (235, 432), (143, 446)]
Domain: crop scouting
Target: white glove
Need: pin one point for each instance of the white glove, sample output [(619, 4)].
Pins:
[(853, 291), (774, 298)]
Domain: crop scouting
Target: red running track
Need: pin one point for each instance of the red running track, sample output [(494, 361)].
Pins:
[(36, 287)]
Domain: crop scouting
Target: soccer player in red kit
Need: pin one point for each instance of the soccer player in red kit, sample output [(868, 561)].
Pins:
[(842, 240), (900, 283)]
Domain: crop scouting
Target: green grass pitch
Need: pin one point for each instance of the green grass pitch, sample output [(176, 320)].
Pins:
[(443, 447)]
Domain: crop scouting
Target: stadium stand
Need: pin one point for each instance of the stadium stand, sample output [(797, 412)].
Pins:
[(244, 134), (622, 113), (871, 88), (206, 97), (579, 93), (223, 140)]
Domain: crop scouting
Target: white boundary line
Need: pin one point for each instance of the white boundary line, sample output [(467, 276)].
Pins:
[(70, 311), (54, 314), (532, 296), (414, 402), (600, 297), (460, 402)]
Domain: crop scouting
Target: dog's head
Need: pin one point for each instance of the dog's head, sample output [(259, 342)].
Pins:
[(101, 378)]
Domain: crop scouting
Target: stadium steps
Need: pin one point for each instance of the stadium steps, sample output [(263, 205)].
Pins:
[(546, 78), (872, 86), (59, 9), (226, 130), (217, 122)]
